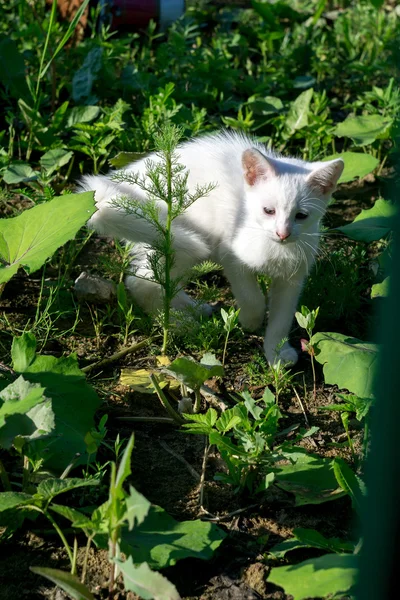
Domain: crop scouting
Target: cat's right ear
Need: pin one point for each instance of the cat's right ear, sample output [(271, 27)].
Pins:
[(257, 167)]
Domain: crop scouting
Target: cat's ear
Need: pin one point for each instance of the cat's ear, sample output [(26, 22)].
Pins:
[(257, 167), (324, 178)]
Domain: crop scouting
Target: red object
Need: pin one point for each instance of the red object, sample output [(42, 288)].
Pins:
[(138, 13)]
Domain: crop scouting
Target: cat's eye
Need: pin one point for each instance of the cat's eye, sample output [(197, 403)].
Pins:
[(301, 216), (269, 211)]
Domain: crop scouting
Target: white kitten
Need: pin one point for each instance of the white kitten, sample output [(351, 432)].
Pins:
[(262, 217)]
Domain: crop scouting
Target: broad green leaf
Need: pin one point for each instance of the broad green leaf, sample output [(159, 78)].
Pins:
[(123, 159), (55, 159), (30, 238), (297, 117), (161, 541), (349, 482), (365, 129), (146, 583), (381, 290), (19, 172), (50, 488), (204, 422), (317, 577), (124, 467), (310, 538), (192, 373), (348, 362), (356, 164), (9, 500), (23, 351), (265, 106), (210, 360), (69, 513), (73, 403), (371, 224), (137, 508), (310, 478), (18, 398), (228, 420), (66, 581), (84, 77), (82, 114)]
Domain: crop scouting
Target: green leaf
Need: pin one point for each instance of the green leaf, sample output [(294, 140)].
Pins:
[(365, 129), (310, 538), (123, 159), (161, 541), (73, 403), (18, 398), (52, 487), (23, 351), (124, 468), (69, 513), (356, 164), (347, 362), (349, 482), (30, 238), (54, 159), (310, 478), (82, 114), (19, 172), (251, 406), (228, 420), (317, 577), (66, 581), (192, 373), (203, 423), (381, 290), (265, 106), (372, 224), (137, 508), (146, 583), (9, 500), (297, 117)]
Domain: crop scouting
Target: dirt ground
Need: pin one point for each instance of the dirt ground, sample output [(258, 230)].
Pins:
[(166, 465)]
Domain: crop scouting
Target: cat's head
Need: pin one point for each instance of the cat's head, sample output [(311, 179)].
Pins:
[(287, 198)]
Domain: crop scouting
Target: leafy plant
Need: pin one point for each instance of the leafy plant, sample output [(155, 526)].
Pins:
[(32, 237), (306, 319), (231, 320), (166, 182)]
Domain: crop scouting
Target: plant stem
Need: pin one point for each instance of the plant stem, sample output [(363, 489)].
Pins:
[(314, 378), (197, 402), (85, 560), (225, 347), (117, 355), (163, 399), (168, 254), (63, 538)]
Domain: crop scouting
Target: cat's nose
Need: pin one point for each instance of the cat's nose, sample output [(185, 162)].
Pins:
[(283, 235)]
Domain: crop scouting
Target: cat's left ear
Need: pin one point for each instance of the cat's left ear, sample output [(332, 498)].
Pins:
[(326, 176)]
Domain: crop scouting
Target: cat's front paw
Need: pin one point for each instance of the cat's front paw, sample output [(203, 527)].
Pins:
[(287, 355), (252, 320)]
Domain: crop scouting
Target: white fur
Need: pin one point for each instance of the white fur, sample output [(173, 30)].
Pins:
[(230, 227)]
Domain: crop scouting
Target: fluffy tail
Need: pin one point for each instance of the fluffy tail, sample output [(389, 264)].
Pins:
[(114, 222)]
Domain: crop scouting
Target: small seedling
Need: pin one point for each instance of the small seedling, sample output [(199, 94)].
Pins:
[(306, 319), (231, 320)]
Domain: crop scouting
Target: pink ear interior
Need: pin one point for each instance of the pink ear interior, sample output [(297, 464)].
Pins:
[(325, 178), (256, 166)]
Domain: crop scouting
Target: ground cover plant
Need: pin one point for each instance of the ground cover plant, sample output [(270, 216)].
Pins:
[(162, 457)]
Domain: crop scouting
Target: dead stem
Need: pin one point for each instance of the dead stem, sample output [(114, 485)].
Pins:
[(189, 467), (305, 415), (116, 356)]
